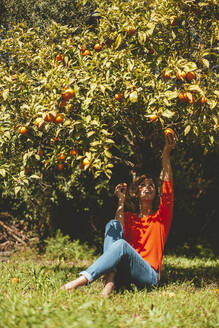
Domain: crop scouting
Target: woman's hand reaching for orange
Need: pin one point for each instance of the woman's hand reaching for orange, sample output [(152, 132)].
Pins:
[(120, 191)]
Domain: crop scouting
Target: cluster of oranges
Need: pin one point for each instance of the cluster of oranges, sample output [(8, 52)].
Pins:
[(62, 158), (191, 98), (97, 47), (67, 95), (187, 97), (182, 75), (49, 117), (118, 96)]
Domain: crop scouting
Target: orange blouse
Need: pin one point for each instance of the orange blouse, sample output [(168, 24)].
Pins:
[(148, 235)]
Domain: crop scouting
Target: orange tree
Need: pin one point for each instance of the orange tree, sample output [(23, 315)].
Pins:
[(76, 100)]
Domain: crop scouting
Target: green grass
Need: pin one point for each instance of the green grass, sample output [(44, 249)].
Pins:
[(186, 296)]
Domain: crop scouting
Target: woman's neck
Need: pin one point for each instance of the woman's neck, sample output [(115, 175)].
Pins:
[(145, 208)]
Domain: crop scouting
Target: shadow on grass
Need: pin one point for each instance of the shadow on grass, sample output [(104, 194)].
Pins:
[(199, 276)]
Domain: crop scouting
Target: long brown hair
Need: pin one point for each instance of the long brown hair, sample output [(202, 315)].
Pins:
[(132, 203)]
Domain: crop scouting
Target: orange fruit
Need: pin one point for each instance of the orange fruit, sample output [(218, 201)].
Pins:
[(166, 75), (15, 280), (169, 131), (181, 76), (68, 94), (190, 76), (130, 30), (46, 163), (22, 130), (73, 152), (202, 100), (60, 166), (49, 117), (83, 48), (40, 152), (153, 118), (186, 97), (191, 100), (86, 53), (119, 96), (98, 47), (59, 58), (56, 139), (61, 157), (182, 96), (39, 122), (86, 162), (59, 118)]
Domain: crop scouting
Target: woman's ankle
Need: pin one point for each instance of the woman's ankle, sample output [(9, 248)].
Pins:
[(74, 284), (108, 289)]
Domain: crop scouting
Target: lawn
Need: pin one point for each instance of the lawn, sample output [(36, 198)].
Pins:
[(30, 295)]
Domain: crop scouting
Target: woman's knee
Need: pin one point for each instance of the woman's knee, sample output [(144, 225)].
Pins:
[(114, 224)]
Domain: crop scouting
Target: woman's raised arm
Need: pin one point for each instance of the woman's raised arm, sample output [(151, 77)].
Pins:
[(120, 192), (170, 143)]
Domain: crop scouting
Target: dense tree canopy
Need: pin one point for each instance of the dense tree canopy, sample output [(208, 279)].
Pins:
[(78, 99)]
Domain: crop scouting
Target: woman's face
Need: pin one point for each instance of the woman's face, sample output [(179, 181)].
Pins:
[(146, 190)]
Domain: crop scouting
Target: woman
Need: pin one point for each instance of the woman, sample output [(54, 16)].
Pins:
[(134, 242)]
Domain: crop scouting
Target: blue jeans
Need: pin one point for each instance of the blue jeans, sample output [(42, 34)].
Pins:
[(122, 258)]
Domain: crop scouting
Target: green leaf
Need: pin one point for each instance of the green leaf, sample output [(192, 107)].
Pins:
[(95, 143), (131, 64), (167, 113), (171, 94), (88, 119), (173, 35), (108, 173), (37, 157), (102, 88), (90, 133), (211, 138), (107, 153), (187, 129), (142, 37), (195, 87), (118, 41), (17, 189), (190, 66), (97, 174), (205, 62), (34, 176), (150, 27), (5, 94), (67, 122), (3, 172), (110, 141), (105, 132)]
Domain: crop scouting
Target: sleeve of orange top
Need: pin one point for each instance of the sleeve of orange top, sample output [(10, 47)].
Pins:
[(166, 201)]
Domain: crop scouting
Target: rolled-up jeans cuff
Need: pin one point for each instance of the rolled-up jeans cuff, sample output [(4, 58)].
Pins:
[(87, 276)]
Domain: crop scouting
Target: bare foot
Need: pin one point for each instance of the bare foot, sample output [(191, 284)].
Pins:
[(74, 284), (109, 286)]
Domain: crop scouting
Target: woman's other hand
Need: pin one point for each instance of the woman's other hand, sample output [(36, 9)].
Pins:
[(120, 191)]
